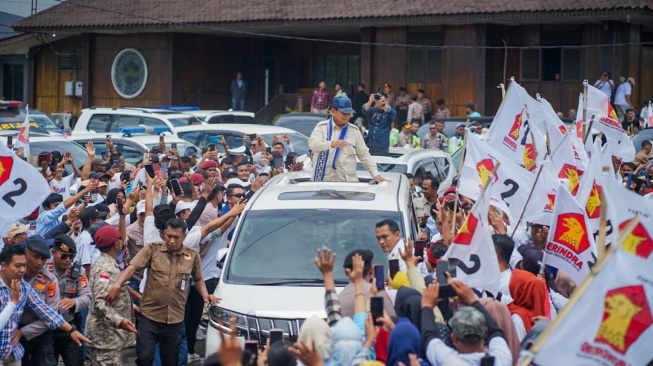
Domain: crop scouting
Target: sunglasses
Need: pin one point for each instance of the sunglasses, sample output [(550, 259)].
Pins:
[(67, 256), (238, 195)]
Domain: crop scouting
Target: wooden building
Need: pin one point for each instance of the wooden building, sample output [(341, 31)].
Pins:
[(455, 50)]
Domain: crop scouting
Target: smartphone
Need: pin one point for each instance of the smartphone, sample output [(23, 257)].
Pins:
[(252, 347), (276, 335), (164, 168), (268, 150), (140, 185), (445, 289), (146, 157), (161, 138), (116, 164), (277, 163), (376, 308), (156, 166), (125, 177), (379, 275), (119, 204), (394, 267), (10, 140), (630, 180), (419, 249), (69, 155), (149, 169), (108, 137), (174, 145), (43, 158), (174, 183), (252, 136), (289, 161)]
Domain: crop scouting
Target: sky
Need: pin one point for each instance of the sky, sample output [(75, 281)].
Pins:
[(24, 7)]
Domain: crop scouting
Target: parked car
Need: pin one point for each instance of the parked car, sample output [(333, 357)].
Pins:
[(204, 135), (303, 123), (108, 120), (12, 118), (130, 146), (224, 117), (269, 279), (40, 142), (639, 137), (418, 162)]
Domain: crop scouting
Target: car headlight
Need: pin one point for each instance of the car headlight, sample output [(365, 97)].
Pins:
[(220, 319)]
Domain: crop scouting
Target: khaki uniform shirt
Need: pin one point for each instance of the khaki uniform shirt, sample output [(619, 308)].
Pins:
[(346, 164), (168, 280), (135, 243), (72, 288), (46, 287), (103, 322)]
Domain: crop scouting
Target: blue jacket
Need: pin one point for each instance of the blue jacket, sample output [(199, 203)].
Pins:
[(380, 124)]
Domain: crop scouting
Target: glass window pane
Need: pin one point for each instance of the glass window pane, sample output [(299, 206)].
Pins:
[(129, 121), (330, 76), (571, 66), (434, 65), (102, 123), (415, 66), (147, 121), (530, 64)]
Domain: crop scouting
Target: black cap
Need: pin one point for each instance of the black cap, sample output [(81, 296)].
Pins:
[(156, 150), (532, 258), (39, 246), (230, 171), (91, 213), (100, 176), (65, 244), (367, 255)]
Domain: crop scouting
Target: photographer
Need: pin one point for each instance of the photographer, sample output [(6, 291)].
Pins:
[(380, 116)]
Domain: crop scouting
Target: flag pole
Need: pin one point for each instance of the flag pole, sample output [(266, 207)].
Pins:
[(603, 224), (460, 169), (584, 115), (589, 129), (503, 90), (576, 296), (528, 199)]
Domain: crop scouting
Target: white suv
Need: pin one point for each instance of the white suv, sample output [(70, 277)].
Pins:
[(108, 120), (269, 279)]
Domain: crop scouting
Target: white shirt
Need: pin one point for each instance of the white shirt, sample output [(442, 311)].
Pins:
[(620, 96), (439, 353), (519, 326), (151, 234), (115, 181), (396, 254), (63, 186), (504, 286), (604, 86), (86, 253)]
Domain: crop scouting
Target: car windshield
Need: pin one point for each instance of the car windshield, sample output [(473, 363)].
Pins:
[(60, 145), (44, 121), (178, 122), (279, 245), (395, 168)]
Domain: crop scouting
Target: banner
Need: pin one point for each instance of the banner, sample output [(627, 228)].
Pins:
[(540, 208), (22, 188), (612, 323), (570, 245), (564, 164), (623, 206), (472, 251), (22, 140)]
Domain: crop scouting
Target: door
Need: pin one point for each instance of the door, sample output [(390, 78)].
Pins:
[(280, 76)]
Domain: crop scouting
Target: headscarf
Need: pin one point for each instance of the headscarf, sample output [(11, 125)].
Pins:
[(400, 280), (347, 341), (501, 315), (530, 297), (315, 330), (404, 340), (112, 195), (408, 304)]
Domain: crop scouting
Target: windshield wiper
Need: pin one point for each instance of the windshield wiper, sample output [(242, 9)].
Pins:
[(297, 281)]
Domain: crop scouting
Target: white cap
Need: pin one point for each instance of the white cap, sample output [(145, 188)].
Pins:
[(183, 205), (162, 156), (237, 150), (140, 207), (236, 181)]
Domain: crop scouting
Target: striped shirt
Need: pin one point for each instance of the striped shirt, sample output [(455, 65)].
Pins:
[(29, 298)]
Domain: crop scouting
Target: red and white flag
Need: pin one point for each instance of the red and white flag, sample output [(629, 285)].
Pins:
[(472, 251), (570, 245), (513, 132), (564, 164), (22, 140), (612, 323), (540, 208)]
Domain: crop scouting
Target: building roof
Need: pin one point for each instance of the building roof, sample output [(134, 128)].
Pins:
[(170, 14), (5, 19)]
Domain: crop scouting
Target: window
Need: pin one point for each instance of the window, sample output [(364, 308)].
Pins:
[(131, 154), (231, 119), (332, 69), (12, 82), (128, 121), (551, 63), (192, 137), (530, 64), (424, 64), (151, 122), (102, 123)]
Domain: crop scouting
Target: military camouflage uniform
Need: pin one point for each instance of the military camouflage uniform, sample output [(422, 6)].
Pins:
[(103, 323)]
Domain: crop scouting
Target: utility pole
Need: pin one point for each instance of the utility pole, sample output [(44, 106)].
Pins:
[(35, 5)]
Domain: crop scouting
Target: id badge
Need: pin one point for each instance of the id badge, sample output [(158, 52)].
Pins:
[(182, 286)]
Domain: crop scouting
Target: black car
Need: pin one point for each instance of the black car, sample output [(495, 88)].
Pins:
[(303, 123)]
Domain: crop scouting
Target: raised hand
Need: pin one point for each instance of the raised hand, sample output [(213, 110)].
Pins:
[(90, 149), (325, 260)]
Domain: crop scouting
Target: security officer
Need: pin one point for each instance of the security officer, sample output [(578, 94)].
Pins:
[(75, 297), (34, 334)]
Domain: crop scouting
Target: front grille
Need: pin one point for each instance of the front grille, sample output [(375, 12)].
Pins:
[(258, 329)]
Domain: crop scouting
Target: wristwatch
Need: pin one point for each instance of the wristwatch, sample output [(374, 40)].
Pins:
[(72, 329)]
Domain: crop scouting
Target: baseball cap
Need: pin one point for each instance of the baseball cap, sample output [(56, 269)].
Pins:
[(230, 171), (190, 151), (16, 229), (162, 156), (100, 176), (183, 205), (343, 104), (38, 245), (91, 213), (65, 244), (106, 236), (468, 323), (140, 207), (367, 256), (531, 258)]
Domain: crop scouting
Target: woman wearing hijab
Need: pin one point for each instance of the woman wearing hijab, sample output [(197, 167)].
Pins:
[(315, 331), (501, 314), (405, 340), (530, 300), (112, 197)]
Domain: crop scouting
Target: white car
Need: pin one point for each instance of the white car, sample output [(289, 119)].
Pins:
[(39, 143), (224, 117), (418, 162), (204, 135), (269, 280), (109, 120)]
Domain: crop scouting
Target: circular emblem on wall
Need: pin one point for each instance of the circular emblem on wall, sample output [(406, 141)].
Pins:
[(129, 73)]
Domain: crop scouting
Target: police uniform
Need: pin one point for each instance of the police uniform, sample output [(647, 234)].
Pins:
[(37, 336), (73, 284), (103, 322)]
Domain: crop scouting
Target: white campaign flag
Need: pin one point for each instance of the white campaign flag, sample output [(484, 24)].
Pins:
[(472, 252), (22, 140), (540, 208), (564, 164), (513, 132), (22, 189), (570, 245), (649, 116), (512, 182), (611, 324)]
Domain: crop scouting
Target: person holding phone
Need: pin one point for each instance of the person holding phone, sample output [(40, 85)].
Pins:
[(338, 144), (59, 183)]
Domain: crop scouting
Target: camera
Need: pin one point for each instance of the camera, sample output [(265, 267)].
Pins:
[(377, 93)]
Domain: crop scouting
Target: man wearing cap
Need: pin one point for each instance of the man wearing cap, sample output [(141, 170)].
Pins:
[(110, 326), (404, 137), (380, 116), (86, 252), (55, 207), (456, 141), (75, 297), (211, 168), (34, 334), (337, 144), (472, 329), (16, 235)]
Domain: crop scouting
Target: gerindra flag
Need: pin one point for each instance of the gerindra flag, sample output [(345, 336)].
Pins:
[(22, 188), (472, 252), (612, 323), (512, 134), (22, 140), (570, 244), (540, 208)]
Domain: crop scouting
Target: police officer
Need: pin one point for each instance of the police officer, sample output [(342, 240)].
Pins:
[(35, 335), (75, 297)]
